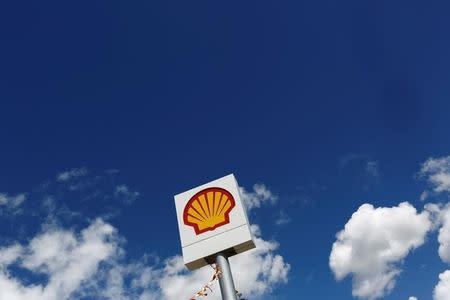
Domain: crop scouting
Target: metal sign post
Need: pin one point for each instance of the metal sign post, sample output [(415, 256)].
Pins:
[(226, 278)]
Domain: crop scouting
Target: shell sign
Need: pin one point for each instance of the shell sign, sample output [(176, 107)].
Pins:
[(208, 209), (212, 219)]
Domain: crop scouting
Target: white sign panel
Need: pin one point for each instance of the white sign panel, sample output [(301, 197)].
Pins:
[(212, 219)]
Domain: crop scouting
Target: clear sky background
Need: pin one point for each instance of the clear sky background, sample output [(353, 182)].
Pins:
[(109, 108)]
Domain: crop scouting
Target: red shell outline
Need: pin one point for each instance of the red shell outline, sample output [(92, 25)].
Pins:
[(227, 212)]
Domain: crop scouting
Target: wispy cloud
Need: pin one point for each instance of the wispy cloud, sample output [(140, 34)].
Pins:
[(437, 173), (282, 218), (372, 168), (260, 195), (307, 194), (56, 201), (11, 204), (362, 161), (125, 194), (362, 168), (12, 201), (71, 174)]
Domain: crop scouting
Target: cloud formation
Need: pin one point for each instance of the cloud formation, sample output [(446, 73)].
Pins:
[(71, 174), (11, 203), (443, 219), (442, 289), (91, 264), (259, 196), (66, 259), (61, 264), (126, 194), (282, 218), (373, 245), (437, 173)]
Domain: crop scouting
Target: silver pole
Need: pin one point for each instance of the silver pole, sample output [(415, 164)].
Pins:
[(225, 278)]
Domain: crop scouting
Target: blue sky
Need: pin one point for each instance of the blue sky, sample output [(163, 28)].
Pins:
[(327, 105)]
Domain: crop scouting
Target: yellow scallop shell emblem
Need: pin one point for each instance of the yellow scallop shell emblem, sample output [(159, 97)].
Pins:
[(208, 209)]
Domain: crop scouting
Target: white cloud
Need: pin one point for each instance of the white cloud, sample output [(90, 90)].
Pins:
[(10, 254), (66, 259), (124, 281), (424, 195), (437, 173), (126, 194), (256, 273), (71, 174), (412, 298), (90, 264), (259, 196), (441, 215), (69, 264), (282, 218), (11, 204), (373, 245), (442, 289), (12, 201), (444, 234)]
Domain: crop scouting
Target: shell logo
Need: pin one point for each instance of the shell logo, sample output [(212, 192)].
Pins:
[(208, 209)]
